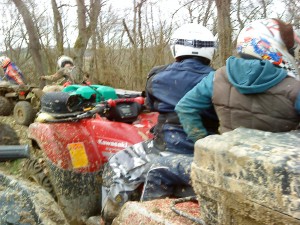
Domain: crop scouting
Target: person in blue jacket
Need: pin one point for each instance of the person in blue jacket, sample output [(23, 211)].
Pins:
[(11, 72), (259, 90), (192, 47)]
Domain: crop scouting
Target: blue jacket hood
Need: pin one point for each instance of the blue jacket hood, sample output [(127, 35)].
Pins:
[(251, 76)]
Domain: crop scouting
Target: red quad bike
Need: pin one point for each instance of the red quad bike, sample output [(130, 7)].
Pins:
[(74, 145)]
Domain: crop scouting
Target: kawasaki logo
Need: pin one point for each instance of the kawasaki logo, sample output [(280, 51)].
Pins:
[(113, 143)]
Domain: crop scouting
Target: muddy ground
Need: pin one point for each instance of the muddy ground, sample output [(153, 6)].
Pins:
[(14, 167), (26, 202)]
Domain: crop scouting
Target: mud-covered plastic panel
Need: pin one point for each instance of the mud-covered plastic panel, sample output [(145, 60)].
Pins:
[(78, 194), (248, 177)]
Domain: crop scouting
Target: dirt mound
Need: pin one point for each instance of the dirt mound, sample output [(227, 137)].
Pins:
[(14, 167), (20, 129)]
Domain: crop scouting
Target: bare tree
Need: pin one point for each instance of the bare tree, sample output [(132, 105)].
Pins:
[(224, 30), (131, 49), (244, 12), (293, 7), (119, 48), (198, 11), (158, 38), (264, 8), (137, 42), (58, 28), (104, 63), (34, 44), (85, 30), (247, 11)]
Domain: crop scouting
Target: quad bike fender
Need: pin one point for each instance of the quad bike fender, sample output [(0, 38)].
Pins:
[(85, 146), (59, 142)]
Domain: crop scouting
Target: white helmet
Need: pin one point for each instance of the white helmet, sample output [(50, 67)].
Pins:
[(62, 60), (193, 40), (4, 61), (272, 40)]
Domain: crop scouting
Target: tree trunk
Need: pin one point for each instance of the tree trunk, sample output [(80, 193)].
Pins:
[(34, 44), (58, 28), (85, 32), (224, 30)]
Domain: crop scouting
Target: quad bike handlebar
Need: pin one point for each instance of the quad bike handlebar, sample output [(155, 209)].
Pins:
[(139, 100), (99, 108), (102, 108)]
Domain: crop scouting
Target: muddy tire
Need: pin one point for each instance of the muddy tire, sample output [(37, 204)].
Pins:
[(5, 106), (35, 171), (24, 113)]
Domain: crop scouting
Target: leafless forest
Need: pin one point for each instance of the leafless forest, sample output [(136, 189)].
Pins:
[(118, 47)]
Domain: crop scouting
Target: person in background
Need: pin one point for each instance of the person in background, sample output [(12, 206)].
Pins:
[(11, 72), (258, 90), (192, 47), (67, 70)]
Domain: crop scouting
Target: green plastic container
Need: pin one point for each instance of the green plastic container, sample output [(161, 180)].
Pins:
[(102, 92)]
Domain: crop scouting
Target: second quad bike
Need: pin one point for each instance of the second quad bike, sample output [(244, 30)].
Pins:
[(22, 100), (74, 138)]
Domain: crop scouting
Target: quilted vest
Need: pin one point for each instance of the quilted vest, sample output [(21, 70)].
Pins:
[(272, 110)]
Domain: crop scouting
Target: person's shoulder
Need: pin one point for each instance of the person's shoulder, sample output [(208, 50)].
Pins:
[(157, 69), (65, 70), (219, 72)]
